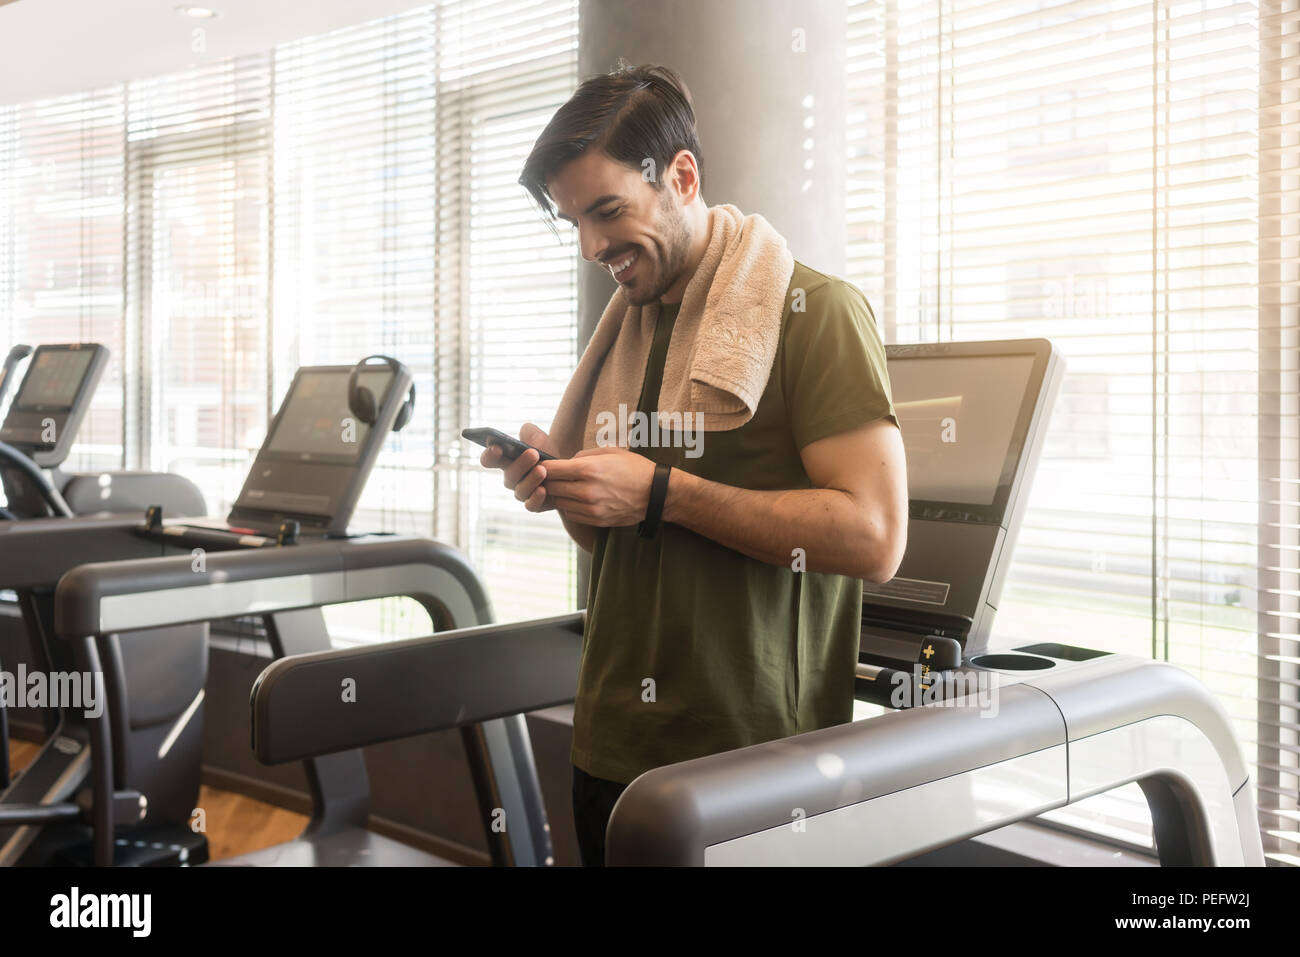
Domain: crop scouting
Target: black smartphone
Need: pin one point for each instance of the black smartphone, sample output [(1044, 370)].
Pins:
[(512, 446)]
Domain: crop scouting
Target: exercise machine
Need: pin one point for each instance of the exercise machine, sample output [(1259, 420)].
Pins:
[(943, 764), (303, 486), (982, 740), (38, 431), (42, 422), (979, 739), (287, 587)]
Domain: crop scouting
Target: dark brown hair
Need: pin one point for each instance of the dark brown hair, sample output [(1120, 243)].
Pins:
[(631, 114)]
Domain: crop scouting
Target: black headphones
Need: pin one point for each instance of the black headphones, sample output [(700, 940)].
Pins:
[(362, 401)]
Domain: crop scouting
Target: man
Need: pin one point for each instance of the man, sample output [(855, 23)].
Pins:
[(724, 608)]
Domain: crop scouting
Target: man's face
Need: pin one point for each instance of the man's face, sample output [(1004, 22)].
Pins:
[(623, 221)]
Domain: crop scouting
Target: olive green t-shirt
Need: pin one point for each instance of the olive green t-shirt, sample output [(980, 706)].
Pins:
[(692, 648)]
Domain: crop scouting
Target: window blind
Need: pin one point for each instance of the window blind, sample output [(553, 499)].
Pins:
[(400, 228), (197, 169), (1094, 172), (61, 242), (339, 195), (508, 295), (1278, 611), (354, 251)]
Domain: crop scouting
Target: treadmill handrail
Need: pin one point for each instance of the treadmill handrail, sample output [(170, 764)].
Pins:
[(16, 355), (680, 813), (18, 460), (37, 552), (111, 597), (719, 797), (406, 688)]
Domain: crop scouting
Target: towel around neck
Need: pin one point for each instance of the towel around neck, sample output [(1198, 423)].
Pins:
[(723, 343)]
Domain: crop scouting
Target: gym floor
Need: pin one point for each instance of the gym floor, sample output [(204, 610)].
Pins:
[(235, 824)]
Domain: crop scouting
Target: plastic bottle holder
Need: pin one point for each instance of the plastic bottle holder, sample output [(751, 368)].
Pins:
[(1012, 662)]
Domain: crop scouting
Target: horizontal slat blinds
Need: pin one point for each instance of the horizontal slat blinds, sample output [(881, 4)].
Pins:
[(61, 244), (340, 195), (508, 291), (198, 164), (1094, 172), (355, 262), (400, 227), (1278, 610)]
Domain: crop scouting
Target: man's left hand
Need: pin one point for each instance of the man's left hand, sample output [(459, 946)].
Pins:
[(606, 487)]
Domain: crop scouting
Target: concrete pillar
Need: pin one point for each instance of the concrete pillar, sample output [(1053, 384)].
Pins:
[(767, 81), (758, 71)]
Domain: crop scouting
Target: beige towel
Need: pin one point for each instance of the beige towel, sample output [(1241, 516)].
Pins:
[(723, 343)]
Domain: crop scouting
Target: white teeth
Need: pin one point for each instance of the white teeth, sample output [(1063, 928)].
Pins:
[(626, 262)]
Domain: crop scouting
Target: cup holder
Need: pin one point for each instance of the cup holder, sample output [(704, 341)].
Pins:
[(1009, 662)]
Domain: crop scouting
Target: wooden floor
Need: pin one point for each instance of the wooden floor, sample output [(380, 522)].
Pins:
[(234, 824)]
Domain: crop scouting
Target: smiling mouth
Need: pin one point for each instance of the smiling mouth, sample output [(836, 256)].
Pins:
[(620, 269)]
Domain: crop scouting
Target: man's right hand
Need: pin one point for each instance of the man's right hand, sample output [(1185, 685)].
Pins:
[(524, 476)]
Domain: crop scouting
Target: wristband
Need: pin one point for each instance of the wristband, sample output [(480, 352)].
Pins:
[(655, 510)]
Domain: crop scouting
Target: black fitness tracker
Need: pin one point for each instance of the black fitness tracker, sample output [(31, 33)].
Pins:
[(655, 510)]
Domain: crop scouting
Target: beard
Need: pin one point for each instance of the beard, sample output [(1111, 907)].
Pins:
[(669, 255)]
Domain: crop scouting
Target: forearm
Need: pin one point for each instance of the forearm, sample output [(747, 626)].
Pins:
[(836, 533)]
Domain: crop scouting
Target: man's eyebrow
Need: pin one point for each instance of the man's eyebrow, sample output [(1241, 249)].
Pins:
[(600, 201)]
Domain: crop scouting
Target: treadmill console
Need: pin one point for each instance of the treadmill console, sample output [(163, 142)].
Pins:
[(317, 455), (312, 467), (52, 399), (973, 417)]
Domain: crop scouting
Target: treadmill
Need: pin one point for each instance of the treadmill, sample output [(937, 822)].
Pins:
[(36, 436), (38, 433), (300, 491), (974, 418), (302, 487), (312, 467), (42, 422), (984, 739), (975, 738)]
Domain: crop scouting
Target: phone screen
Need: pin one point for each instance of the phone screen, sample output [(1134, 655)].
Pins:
[(513, 447)]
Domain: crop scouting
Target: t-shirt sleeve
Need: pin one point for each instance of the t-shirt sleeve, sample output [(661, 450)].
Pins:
[(834, 365)]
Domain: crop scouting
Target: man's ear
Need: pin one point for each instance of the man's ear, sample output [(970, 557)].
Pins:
[(684, 176)]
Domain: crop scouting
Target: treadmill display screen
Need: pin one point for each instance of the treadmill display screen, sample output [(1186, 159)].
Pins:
[(315, 421), (53, 379), (959, 418)]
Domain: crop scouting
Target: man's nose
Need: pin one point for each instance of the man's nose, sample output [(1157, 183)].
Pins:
[(591, 244)]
